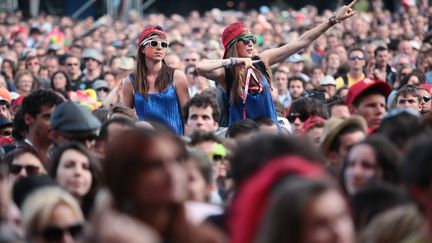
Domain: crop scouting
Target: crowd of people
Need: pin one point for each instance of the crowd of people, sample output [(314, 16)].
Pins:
[(277, 125)]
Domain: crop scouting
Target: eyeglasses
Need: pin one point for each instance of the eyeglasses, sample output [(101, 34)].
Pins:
[(103, 89), (72, 64), (154, 44), (293, 116), (56, 233), (30, 169), (247, 39), (352, 58), (426, 98)]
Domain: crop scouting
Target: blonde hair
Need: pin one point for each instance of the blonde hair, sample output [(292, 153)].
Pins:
[(38, 206)]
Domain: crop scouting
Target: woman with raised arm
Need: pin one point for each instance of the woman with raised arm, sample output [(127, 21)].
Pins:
[(156, 91), (245, 75)]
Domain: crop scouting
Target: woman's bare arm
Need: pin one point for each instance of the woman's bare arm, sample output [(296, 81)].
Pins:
[(127, 91), (181, 87), (277, 55)]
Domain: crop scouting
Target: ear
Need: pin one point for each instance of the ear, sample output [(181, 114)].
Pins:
[(333, 157), (28, 119), (351, 109)]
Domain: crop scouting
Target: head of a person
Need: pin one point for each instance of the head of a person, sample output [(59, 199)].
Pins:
[(415, 77), (367, 98), (113, 127), (52, 215), (328, 83), (298, 207), (296, 86), (333, 60), (73, 122), (37, 108), (92, 58), (201, 112), (426, 104), (25, 82), (371, 160), (192, 57), (417, 174), (241, 130), (23, 162), (102, 89), (77, 171), (302, 109), (32, 63), (356, 59), (280, 79), (73, 65), (337, 108), (238, 41), (339, 135), (381, 56), (60, 81), (267, 125), (408, 97), (5, 103), (122, 111), (200, 172), (141, 160)]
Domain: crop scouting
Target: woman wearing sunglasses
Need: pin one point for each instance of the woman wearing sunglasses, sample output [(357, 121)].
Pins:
[(52, 215), (156, 91), (245, 76)]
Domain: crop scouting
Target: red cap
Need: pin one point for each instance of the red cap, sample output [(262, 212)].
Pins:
[(17, 102), (366, 84), (155, 30), (5, 95), (231, 32), (427, 86)]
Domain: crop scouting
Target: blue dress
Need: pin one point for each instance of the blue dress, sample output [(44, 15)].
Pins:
[(259, 105), (163, 108)]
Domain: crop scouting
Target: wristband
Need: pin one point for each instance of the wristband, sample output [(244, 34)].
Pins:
[(333, 20)]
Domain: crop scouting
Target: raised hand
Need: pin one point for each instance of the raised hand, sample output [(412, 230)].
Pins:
[(346, 11)]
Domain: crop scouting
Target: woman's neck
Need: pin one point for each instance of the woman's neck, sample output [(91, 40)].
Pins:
[(153, 67)]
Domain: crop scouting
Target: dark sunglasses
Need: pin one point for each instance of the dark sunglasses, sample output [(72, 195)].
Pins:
[(292, 117), (56, 233), (217, 157), (426, 98), (103, 89), (30, 169), (163, 44), (247, 39), (352, 58)]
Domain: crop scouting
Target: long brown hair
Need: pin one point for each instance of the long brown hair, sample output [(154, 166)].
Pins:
[(239, 76), (140, 84)]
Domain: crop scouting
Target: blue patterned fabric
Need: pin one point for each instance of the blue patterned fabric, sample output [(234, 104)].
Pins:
[(259, 105), (163, 108)]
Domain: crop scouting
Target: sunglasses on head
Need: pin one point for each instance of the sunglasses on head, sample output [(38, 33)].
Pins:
[(154, 44), (352, 58), (293, 116), (30, 169), (56, 233), (426, 98)]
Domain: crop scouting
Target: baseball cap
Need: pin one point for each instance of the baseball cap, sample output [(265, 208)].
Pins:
[(231, 32), (93, 53), (366, 84), (126, 63), (327, 80), (100, 84), (295, 58), (72, 117), (5, 95)]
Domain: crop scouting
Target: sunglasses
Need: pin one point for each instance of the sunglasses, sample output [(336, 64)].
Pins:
[(89, 58), (30, 169), (426, 98), (154, 44), (72, 64), (293, 116), (247, 39), (103, 89), (56, 233), (352, 58), (217, 157)]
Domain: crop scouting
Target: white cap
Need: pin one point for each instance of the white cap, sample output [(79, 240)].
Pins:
[(327, 80)]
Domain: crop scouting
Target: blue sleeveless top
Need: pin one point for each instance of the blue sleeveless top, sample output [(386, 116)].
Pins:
[(259, 105), (163, 108)]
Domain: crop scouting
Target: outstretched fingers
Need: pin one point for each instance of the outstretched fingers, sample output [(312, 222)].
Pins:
[(351, 4)]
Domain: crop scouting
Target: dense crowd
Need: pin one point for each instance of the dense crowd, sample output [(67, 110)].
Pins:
[(277, 125)]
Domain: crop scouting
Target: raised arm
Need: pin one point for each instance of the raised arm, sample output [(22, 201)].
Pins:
[(213, 70), (277, 55)]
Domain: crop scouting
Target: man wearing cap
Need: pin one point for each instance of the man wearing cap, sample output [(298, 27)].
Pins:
[(338, 136), (93, 60), (367, 98), (73, 122), (329, 85), (101, 88), (36, 109), (297, 66)]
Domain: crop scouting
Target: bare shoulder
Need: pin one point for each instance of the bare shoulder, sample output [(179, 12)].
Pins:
[(179, 77)]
